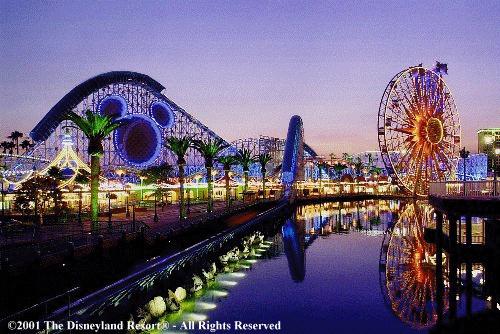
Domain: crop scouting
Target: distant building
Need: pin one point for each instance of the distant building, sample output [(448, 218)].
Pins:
[(475, 167), (488, 142)]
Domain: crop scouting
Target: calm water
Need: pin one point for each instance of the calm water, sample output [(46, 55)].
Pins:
[(353, 267), (318, 281)]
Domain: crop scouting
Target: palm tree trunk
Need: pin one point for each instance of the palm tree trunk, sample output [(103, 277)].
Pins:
[(182, 206), (17, 146), (95, 167), (210, 203), (263, 185), (226, 177), (245, 174)]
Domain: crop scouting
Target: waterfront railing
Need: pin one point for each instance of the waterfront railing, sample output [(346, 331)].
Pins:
[(487, 188)]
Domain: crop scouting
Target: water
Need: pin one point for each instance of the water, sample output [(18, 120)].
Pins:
[(333, 268)]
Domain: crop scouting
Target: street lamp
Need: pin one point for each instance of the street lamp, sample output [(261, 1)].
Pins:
[(108, 195), (155, 218), (464, 155), (495, 168)]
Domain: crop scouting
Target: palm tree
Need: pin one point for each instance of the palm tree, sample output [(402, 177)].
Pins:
[(245, 159), (358, 166), (338, 168), (8, 146), (15, 136), (179, 147), (321, 167), (210, 149), (348, 158), (82, 177), (263, 159), (227, 161), (96, 128), (5, 145), (25, 145)]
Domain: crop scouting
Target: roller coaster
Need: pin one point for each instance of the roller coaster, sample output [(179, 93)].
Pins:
[(149, 116)]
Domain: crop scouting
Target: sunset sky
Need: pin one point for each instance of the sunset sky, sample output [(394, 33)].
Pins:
[(244, 68)]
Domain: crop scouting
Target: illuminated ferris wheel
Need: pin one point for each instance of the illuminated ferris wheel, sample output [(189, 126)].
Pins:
[(410, 275), (419, 128)]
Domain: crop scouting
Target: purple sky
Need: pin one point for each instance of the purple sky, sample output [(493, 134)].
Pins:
[(243, 68)]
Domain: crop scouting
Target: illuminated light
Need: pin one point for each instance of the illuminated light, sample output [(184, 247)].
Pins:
[(497, 150), (228, 283), (195, 317), (219, 293), (237, 274), (244, 266), (138, 141), (251, 261), (113, 106), (162, 114), (205, 305), (488, 140)]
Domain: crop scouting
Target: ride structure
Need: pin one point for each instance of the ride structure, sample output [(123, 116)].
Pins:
[(419, 128), (149, 118)]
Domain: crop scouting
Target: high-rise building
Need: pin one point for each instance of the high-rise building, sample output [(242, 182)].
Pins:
[(488, 142)]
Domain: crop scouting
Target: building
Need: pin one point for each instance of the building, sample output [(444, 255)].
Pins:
[(488, 142)]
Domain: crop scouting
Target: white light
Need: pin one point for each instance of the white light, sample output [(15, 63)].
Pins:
[(195, 317), (219, 293), (228, 283), (205, 305), (237, 274)]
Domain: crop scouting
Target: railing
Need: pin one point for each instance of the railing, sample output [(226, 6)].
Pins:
[(472, 188), (43, 308), (32, 250)]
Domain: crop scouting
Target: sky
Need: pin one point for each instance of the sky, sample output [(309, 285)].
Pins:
[(244, 68)]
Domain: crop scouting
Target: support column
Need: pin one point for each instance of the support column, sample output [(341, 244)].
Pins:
[(468, 287), (452, 223), (439, 266), (468, 231)]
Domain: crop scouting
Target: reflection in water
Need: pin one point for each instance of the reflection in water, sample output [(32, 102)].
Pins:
[(294, 250), (410, 271), (252, 283)]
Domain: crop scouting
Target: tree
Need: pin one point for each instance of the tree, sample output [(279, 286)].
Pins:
[(263, 159), (179, 147), (338, 168), (26, 145), (322, 166), (15, 136), (7, 146), (96, 128), (210, 149), (227, 161), (39, 191), (155, 175), (245, 159), (82, 177), (56, 175), (358, 166)]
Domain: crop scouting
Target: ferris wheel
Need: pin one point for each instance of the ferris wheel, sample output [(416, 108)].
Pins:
[(419, 128), (409, 284)]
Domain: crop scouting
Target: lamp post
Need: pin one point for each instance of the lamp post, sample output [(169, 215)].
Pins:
[(108, 195), (495, 170), (3, 166), (464, 155), (155, 218), (127, 211), (3, 199), (80, 206)]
